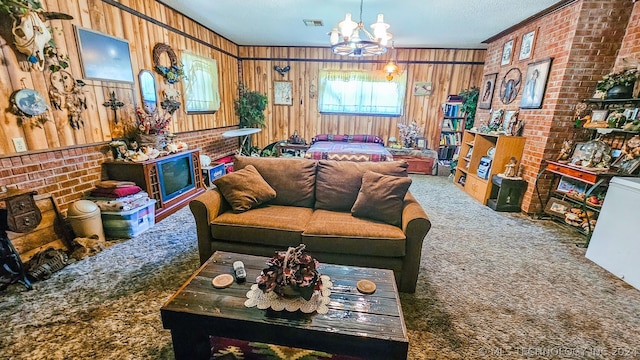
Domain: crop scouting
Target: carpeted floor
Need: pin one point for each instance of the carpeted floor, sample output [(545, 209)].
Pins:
[(492, 285)]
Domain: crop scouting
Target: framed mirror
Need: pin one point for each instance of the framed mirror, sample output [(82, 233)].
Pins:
[(148, 91)]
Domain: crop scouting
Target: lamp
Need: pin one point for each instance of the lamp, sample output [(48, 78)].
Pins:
[(353, 44), (391, 68)]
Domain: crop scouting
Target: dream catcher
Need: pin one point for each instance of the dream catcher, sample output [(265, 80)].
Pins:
[(66, 93), (30, 107), (510, 86)]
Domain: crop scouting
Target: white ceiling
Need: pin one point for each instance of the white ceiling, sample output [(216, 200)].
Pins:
[(414, 23)]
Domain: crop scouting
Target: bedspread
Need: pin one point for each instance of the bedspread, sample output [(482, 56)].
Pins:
[(348, 151)]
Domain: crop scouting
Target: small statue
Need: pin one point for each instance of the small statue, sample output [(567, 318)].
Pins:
[(511, 169), (565, 152)]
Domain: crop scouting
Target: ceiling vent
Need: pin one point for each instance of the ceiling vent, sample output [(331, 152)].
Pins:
[(309, 22)]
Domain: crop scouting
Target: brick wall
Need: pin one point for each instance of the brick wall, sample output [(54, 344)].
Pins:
[(630, 48), (69, 174), (583, 39)]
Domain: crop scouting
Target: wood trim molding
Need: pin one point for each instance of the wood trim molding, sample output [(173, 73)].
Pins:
[(529, 20)]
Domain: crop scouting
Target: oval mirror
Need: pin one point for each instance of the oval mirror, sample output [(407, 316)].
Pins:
[(148, 91)]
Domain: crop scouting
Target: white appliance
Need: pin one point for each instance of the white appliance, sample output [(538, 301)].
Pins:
[(615, 242)]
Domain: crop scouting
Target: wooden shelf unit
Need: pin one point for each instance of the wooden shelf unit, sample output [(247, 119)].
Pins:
[(466, 175)]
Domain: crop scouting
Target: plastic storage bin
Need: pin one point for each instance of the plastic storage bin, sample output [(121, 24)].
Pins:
[(130, 223), (84, 217)]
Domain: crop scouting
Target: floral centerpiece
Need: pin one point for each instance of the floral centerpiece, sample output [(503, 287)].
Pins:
[(291, 282), (409, 133), (624, 79), (156, 122), (291, 273)]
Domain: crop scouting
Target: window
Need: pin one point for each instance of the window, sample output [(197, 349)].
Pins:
[(200, 84), (361, 92)]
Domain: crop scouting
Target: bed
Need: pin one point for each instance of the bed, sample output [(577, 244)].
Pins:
[(348, 148)]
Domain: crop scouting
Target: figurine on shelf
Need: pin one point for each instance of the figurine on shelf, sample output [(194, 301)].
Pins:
[(511, 169), (565, 152)]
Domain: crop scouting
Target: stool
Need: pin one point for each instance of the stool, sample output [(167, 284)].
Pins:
[(506, 194)]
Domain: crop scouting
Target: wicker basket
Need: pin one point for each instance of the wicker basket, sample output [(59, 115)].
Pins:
[(156, 141)]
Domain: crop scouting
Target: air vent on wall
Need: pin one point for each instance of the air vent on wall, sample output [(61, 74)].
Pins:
[(309, 22)]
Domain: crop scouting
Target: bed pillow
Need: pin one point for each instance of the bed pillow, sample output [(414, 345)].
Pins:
[(381, 198), (348, 138), (244, 189)]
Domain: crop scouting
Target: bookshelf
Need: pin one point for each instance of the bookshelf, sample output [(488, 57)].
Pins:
[(474, 151), (451, 130)]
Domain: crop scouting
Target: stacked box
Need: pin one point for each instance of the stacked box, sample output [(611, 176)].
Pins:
[(130, 223), (210, 173)]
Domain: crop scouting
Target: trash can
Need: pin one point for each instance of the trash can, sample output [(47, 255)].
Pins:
[(85, 219)]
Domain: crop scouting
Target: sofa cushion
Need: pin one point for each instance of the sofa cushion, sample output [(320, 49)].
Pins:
[(338, 182), (244, 189), (341, 233), (381, 197), (292, 179), (270, 224)]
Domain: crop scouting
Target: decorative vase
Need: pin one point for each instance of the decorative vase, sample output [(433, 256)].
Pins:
[(156, 141), (620, 92)]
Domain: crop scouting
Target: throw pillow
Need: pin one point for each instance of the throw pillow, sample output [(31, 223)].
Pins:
[(381, 198), (244, 189)]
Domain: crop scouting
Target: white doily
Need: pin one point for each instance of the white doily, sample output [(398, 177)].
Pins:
[(318, 301)]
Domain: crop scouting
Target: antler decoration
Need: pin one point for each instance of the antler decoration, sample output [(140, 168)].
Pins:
[(282, 71)]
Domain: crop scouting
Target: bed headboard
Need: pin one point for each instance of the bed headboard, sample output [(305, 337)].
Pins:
[(348, 138)]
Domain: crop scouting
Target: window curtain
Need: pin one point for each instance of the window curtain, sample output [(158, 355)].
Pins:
[(200, 84), (361, 92)]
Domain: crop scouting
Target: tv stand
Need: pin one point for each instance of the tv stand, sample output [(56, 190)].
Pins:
[(145, 175)]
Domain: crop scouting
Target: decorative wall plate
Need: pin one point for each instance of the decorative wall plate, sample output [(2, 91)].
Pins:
[(510, 86), (30, 102)]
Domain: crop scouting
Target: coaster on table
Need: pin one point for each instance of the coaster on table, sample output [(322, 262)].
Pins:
[(222, 281), (366, 287)]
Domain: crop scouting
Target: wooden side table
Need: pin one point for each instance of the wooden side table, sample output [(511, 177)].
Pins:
[(297, 150)]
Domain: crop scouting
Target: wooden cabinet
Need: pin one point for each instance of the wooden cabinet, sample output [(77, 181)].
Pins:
[(473, 175), (147, 176)]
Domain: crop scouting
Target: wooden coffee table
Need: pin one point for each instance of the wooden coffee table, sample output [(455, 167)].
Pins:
[(366, 326)]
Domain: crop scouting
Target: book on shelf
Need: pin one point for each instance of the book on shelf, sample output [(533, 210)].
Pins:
[(450, 139), (451, 110)]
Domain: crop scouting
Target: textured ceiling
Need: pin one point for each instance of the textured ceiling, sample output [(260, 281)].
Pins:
[(414, 23)]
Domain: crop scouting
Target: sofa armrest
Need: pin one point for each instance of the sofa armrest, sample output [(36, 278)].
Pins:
[(415, 225), (205, 208)]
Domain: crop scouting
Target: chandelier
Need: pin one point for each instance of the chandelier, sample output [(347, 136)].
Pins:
[(353, 43)]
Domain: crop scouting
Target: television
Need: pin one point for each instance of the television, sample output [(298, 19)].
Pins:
[(176, 176)]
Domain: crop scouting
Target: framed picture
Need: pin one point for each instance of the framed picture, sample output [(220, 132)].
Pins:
[(535, 84), (422, 88), (527, 43), (626, 166), (201, 92), (282, 93), (557, 207), (507, 52), (510, 118), (488, 85), (599, 115), (103, 57), (567, 184), (421, 143), (496, 119)]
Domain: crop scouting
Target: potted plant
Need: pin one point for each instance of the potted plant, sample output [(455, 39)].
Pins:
[(469, 104), (618, 85), (250, 107)]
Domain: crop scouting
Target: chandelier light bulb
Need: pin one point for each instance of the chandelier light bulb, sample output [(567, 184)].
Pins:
[(334, 37), (352, 38), (380, 28), (391, 67), (347, 26)]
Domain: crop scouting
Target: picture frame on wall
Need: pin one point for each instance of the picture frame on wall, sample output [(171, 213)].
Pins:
[(421, 143), (103, 57), (535, 84), (486, 94), (526, 45), (282, 93), (422, 88), (507, 52)]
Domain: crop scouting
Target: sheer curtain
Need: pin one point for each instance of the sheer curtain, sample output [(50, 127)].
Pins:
[(361, 92), (201, 83)]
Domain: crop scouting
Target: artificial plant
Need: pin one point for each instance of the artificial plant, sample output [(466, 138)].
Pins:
[(469, 104), (250, 107)]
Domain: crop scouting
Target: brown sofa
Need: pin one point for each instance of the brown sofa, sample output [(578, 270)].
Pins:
[(312, 206)]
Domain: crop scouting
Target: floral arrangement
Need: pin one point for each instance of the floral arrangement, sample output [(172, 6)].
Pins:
[(172, 74), (154, 123), (616, 119), (625, 78), (409, 133), (291, 273)]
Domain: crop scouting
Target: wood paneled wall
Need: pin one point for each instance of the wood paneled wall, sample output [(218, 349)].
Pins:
[(450, 70), (143, 23)]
